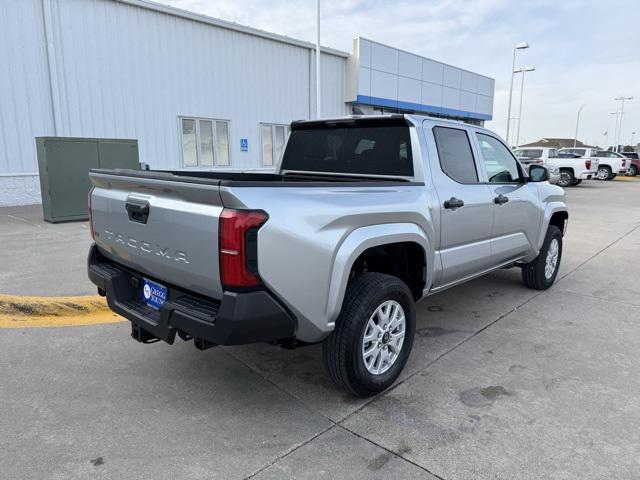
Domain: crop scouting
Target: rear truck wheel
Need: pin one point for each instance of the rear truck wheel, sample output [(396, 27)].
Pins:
[(566, 178), (604, 173), (373, 335), (633, 171), (612, 176), (541, 272), (576, 183)]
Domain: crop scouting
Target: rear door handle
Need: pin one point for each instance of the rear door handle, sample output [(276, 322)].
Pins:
[(138, 210), (453, 202), (500, 199)]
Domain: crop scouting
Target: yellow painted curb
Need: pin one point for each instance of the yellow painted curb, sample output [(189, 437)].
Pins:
[(23, 312)]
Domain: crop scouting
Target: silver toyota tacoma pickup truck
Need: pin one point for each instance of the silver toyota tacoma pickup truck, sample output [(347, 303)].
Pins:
[(365, 216)]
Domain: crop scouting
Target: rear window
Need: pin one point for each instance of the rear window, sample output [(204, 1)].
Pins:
[(577, 151), (363, 150), (528, 153)]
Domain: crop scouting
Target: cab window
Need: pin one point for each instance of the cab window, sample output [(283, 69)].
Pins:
[(500, 165), (456, 157)]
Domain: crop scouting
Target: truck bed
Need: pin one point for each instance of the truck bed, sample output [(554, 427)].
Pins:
[(243, 179), (165, 223)]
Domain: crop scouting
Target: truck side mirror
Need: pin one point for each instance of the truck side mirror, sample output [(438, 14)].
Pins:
[(538, 173)]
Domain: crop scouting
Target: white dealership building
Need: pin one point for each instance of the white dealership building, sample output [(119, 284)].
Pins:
[(196, 92)]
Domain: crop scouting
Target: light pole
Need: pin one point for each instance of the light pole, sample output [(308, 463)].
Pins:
[(575, 138), (318, 95), (517, 46), (522, 70), (623, 98), (615, 132)]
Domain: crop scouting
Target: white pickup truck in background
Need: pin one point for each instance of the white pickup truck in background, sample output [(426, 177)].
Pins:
[(612, 164), (574, 167)]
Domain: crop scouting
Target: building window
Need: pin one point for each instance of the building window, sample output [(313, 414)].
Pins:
[(205, 142), (274, 139)]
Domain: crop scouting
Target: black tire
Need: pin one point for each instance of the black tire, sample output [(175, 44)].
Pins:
[(576, 183), (633, 171), (604, 173), (612, 176), (533, 273), (341, 351), (566, 177)]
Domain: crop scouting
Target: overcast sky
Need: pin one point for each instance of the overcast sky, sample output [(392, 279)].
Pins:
[(584, 51)]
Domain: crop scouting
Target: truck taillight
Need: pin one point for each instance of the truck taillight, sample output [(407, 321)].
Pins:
[(238, 247), (90, 213), (587, 164)]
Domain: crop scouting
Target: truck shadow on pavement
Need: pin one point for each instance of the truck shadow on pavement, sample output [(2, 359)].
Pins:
[(444, 320)]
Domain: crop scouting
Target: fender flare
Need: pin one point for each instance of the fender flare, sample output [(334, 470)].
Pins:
[(362, 239), (549, 211)]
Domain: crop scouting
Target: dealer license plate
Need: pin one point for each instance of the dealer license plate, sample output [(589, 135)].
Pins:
[(153, 294)]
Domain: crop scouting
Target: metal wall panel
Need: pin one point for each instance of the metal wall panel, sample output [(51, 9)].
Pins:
[(383, 76), (432, 71), (410, 66), (25, 101), (409, 90), (333, 73), (131, 72), (384, 59), (124, 71)]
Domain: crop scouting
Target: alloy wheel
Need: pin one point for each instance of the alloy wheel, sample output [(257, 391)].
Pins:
[(383, 337), (565, 179), (552, 259)]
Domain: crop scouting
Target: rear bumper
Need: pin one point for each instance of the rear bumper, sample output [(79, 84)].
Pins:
[(240, 318), (586, 175)]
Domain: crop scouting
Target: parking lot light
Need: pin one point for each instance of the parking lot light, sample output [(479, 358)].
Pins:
[(615, 132), (516, 47), (522, 70), (575, 138), (619, 131)]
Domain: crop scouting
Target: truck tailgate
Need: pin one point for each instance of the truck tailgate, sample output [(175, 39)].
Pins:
[(165, 229)]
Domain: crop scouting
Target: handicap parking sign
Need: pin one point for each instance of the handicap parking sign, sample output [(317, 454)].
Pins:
[(244, 144)]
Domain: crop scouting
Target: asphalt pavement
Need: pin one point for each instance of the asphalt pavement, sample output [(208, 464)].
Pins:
[(503, 382)]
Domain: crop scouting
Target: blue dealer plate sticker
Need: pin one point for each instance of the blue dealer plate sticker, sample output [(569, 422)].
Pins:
[(153, 294)]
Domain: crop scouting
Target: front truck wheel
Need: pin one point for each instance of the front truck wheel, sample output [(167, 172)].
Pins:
[(541, 272), (373, 335)]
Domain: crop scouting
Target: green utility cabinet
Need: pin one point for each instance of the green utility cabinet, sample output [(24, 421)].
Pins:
[(64, 164)]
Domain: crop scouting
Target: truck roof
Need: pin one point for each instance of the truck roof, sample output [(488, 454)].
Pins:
[(388, 117)]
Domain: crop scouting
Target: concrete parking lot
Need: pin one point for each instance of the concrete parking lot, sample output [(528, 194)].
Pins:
[(503, 382)]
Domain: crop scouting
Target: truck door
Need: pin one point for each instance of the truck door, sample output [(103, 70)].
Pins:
[(516, 220), (466, 204)]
